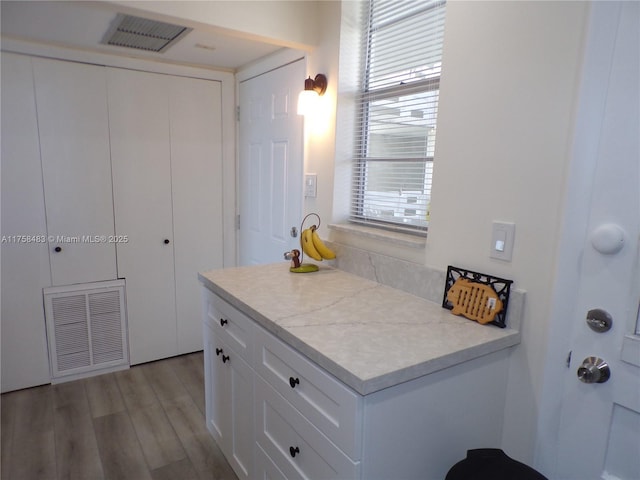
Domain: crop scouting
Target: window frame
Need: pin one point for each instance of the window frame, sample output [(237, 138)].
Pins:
[(364, 100)]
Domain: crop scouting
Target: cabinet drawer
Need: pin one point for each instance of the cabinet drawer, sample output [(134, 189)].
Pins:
[(296, 447), (327, 403), (229, 324), (265, 469)]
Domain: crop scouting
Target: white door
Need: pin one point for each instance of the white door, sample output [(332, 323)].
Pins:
[(271, 164), (196, 184), (25, 263), (74, 144), (599, 424), (141, 157)]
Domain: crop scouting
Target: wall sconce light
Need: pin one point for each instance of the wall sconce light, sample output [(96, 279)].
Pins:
[(313, 88)]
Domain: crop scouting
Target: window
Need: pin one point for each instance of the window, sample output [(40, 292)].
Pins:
[(397, 110)]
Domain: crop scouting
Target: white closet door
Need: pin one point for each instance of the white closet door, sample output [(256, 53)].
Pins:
[(25, 260), (140, 152), (74, 142), (196, 169)]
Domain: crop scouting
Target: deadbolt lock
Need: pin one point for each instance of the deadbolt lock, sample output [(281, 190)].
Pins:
[(594, 370), (599, 320)]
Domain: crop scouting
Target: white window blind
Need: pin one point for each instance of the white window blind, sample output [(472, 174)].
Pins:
[(397, 110)]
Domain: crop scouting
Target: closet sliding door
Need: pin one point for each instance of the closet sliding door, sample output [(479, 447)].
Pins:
[(141, 159), (196, 184), (166, 147)]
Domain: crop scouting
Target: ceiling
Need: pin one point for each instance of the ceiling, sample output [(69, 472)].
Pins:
[(82, 25)]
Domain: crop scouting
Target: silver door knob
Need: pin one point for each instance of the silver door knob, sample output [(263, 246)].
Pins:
[(594, 370)]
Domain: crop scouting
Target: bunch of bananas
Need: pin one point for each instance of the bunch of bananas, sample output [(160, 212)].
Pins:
[(313, 246)]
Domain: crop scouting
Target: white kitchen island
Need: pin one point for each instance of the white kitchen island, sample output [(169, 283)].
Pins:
[(329, 375)]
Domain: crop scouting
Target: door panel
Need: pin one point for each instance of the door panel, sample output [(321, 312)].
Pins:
[(74, 142), (25, 266), (140, 150), (217, 394), (271, 164), (240, 389), (196, 176), (280, 166), (598, 432)]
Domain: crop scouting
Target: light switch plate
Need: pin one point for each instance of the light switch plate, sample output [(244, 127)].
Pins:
[(502, 239), (310, 185)]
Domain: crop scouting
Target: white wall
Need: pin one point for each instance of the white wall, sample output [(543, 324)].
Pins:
[(508, 96), (319, 147), (511, 72), (290, 23)]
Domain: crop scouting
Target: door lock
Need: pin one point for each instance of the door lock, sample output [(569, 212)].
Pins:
[(294, 232), (594, 370), (599, 320)]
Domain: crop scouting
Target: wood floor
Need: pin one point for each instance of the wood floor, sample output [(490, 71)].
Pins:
[(145, 423)]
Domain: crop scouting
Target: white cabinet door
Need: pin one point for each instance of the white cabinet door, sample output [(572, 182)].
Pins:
[(74, 144), (229, 393), (196, 182), (140, 153), (216, 395), (265, 467), (25, 261)]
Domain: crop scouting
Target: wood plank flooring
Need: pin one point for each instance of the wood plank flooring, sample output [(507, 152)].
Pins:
[(145, 423)]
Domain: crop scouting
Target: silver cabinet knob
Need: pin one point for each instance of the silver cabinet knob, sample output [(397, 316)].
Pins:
[(594, 370)]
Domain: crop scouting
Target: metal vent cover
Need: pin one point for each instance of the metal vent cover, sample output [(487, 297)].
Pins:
[(86, 329), (142, 33)]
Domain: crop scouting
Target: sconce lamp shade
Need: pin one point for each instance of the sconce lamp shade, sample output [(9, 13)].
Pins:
[(313, 88), (307, 100)]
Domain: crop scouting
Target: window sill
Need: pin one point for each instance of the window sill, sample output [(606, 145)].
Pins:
[(396, 238)]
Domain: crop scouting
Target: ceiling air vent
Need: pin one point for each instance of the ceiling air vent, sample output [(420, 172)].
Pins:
[(144, 34)]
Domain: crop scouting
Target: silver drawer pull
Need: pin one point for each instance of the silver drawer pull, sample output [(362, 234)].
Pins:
[(294, 381)]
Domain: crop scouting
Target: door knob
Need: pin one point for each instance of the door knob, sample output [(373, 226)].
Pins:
[(293, 232), (594, 370)]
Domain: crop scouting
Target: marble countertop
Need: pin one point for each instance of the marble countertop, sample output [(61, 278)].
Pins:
[(368, 335)]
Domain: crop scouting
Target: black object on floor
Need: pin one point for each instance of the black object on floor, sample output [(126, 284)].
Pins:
[(491, 464)]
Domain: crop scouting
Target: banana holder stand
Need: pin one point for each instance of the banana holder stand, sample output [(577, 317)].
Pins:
[(312, 245)]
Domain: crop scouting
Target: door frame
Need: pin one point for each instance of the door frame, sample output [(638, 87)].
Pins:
[(591, 104), (277, 60)]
